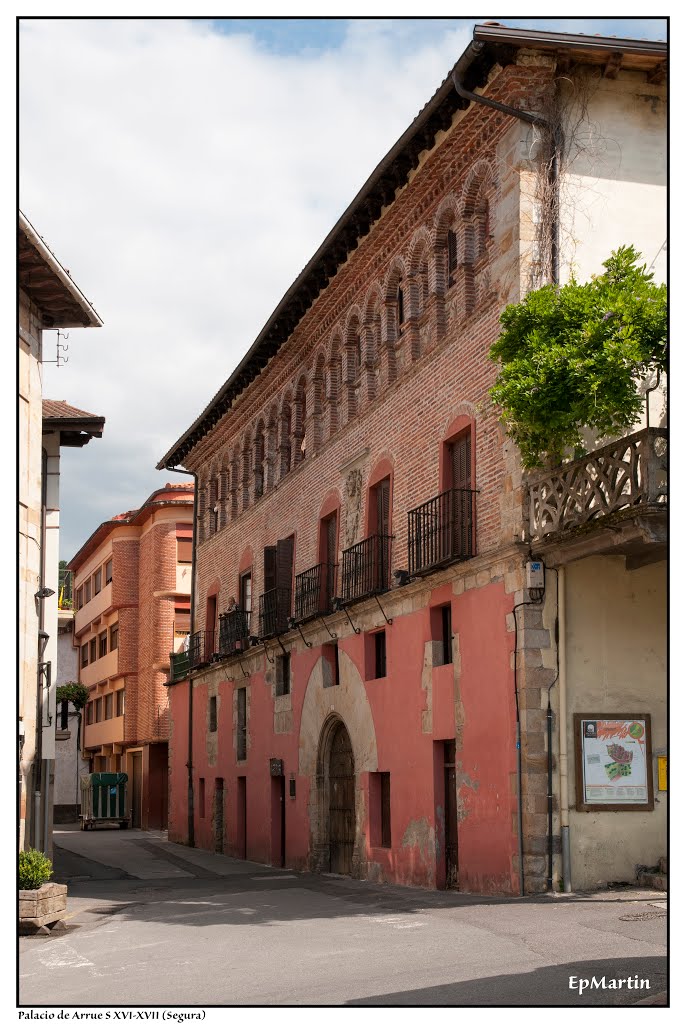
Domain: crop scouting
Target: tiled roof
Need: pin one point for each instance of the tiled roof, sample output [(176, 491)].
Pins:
[(61, 410)]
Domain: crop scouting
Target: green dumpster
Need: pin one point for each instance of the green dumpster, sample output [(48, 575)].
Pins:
[(103, 799)]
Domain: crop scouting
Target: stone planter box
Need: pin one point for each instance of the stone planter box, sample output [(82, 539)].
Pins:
[(41, 908)]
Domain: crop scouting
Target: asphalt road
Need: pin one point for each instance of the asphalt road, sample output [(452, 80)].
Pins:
[(155, 924)]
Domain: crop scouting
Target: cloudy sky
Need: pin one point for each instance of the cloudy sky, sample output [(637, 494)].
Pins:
[(185, 171)]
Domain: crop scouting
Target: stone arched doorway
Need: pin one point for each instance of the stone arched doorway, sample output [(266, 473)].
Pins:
[(341, 801)]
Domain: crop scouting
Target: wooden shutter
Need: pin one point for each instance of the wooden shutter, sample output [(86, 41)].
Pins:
[(269, 568), (461, 462), (284, 568), (383, 507)]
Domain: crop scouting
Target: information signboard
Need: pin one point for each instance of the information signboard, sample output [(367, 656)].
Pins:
[(613, 762)]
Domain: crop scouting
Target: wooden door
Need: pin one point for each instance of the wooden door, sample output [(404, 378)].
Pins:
[(341, 802), (329, 560), (219, 816), (241, 818), (383, 529), (135, 782), (450, 792)]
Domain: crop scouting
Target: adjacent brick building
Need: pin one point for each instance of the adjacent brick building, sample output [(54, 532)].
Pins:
[(366, 653), (132, 582)]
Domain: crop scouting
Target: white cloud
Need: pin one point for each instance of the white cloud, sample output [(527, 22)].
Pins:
[(186, 175)]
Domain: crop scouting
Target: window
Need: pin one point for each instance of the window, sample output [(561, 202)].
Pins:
[(380, 654), (116, 763), (84, 655), (184, 544), (401, 305), (452, 257), (79, 598), (87, 591), (97, 582), (89, 712), (120, 703), (114, 636), (64, 714), (98, 709), (212, 709), (108, 572), (331, 667), (182, 616), (380, 808), (245, 591), (442, 634), (201, 798), (283, 674), (241, 724), (109, 705), (93, 650), (102, 643)]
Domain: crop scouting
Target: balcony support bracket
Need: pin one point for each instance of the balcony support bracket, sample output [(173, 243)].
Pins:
[(245, 674), (355, 628), (282, 646), (266, 654), (306, 642), (334, 636), (389, 621)]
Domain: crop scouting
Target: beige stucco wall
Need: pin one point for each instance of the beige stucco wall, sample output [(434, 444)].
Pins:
[(616, 663)]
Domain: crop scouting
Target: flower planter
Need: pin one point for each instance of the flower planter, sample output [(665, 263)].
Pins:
[(42, 908)]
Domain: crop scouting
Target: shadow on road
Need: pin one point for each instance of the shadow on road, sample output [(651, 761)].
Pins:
[(545, 986)]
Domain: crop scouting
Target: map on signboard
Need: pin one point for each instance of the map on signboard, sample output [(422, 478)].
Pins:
[(614, 761)]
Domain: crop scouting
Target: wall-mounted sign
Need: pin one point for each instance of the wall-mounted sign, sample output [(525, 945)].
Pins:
[(613, 763), (275, 766), (662, 774)]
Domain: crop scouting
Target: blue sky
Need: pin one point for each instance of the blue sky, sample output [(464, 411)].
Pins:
[(161, 159)]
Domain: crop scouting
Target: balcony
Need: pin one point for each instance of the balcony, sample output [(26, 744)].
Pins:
[(201, 648), (179, 666), (611, 501), (366, 568), (441, 531), (275, 610), (234, 632), (315, 590)]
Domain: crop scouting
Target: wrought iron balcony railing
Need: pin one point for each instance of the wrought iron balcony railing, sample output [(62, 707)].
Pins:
[(366, 568), (442, 530), (201, 648), (234, 632), (275, 611), (315, 590), (179, 666), (629, 473)]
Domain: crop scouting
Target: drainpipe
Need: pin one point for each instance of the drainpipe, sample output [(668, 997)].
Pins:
[(523, 115), (564, 791), (189, 763)]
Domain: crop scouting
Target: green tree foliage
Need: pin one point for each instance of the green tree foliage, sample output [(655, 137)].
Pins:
[(77, 693), (34, 869), (573, 357)]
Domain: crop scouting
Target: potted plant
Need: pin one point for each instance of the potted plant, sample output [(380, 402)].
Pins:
[(41, 903)]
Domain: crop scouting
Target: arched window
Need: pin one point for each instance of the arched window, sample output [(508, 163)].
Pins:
[(285, 438), (245, 472), (300, 422), (258, 460)]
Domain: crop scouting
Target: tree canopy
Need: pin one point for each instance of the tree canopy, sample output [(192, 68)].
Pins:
[(573, 357)]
